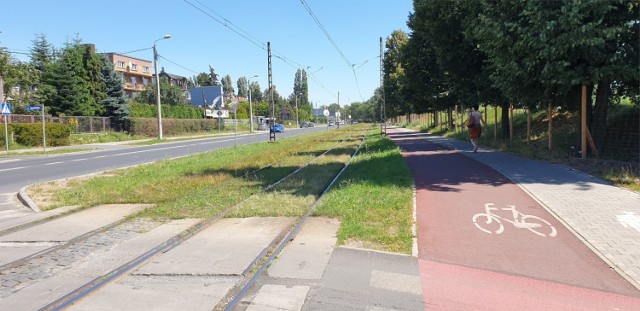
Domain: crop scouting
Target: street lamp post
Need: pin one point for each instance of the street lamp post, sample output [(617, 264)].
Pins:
[(250, 105), (297, 119), (155, 65)]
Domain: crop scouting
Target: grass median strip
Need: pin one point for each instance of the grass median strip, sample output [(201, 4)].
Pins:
[(373, 198)]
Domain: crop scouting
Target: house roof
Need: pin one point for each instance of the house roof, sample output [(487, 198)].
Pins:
[(172, 76)]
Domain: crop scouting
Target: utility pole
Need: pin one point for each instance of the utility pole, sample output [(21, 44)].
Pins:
[(272, 134), (383, 125), (338, 114)]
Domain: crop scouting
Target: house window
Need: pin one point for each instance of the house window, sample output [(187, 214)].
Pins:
[(120, 64), (133, 80), (145, 81), (134, 67), (145, 69)]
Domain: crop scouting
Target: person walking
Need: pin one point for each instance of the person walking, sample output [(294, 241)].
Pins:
[(474, 124)]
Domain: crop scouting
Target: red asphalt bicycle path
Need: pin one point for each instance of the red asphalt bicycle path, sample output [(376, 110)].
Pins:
[(465, 268)]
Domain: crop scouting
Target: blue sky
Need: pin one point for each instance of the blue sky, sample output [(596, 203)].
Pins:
[(199, 39)]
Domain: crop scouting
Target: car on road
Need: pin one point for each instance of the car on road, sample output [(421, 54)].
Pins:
[(310, 124), (303, 124), (330, 123), (262, 127), (278, 128)]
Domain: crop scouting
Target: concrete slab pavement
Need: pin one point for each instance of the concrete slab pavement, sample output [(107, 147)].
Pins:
[(308, 254), (73, 225), (45, 291), (227, 247)]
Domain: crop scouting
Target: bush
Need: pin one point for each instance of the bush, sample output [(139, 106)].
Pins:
[(30, 134), (139, 110), (149, 126)]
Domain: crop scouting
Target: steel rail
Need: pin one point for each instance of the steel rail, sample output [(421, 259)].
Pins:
[(93, 285), (292, 234)]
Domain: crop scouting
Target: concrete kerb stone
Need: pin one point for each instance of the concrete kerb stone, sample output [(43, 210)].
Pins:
[(451, 144), (26, 200)]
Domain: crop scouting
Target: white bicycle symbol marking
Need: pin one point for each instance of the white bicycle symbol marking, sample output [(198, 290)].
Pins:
[(533, 223)]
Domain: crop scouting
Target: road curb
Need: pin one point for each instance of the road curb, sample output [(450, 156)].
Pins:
[(26, 200)]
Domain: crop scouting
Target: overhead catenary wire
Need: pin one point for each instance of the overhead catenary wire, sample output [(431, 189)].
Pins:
[(220, 19), (185, 68), (245, 35), (335, 45)]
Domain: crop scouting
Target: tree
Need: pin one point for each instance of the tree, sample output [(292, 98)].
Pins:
[(256, 92), (544, 51), (394, 74), (69, 91), (115, 103), (169, 94), (301, 91), (42, 53), (20, 74), (227, 86), (243, 91), (202, 79), (213, 76)]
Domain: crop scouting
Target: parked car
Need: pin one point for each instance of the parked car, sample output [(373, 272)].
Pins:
[(330, 123), (303, 124), (278, 128), (262, 127), (310, 124)]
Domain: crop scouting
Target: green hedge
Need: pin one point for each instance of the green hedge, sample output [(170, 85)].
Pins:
[(138, 110), (149, 126), (30, 134)]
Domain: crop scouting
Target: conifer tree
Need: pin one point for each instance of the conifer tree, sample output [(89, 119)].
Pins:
[(115, 102)]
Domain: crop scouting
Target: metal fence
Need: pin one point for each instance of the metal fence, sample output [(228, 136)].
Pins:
[(80, 124)]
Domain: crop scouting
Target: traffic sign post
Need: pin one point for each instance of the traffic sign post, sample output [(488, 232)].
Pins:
[(44, 132), (326, 115), (6, 110)]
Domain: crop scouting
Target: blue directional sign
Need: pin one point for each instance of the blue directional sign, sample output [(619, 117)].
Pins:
[(6, 108), (34, 108)]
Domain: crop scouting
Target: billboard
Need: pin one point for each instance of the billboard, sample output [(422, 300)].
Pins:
[(210, 96)]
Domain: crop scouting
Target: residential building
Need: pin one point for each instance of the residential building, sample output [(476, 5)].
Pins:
[(136, 72), (180, 81)]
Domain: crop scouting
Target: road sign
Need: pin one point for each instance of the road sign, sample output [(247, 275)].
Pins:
[(221, 113), (6, 108), (326, 112), (34, 108)]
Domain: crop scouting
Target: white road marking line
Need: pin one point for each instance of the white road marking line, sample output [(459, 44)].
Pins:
[(12, 169)]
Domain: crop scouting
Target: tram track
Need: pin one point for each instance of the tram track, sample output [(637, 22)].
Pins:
[(260, 262)]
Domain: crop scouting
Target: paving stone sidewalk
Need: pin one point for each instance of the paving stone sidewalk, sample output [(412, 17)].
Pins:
[(606, 218)]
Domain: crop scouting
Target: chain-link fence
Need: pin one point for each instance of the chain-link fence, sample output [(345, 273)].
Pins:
[(77, 124)]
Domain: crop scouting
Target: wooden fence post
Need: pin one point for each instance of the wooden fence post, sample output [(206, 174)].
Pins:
[(510, 121), (550, 112), (495, 124), (583, 136), (528, 126)]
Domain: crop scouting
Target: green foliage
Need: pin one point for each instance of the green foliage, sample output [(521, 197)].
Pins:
[(227, 85), (169, 94), (139, 110), (202, 79), (115, 103), (30, 134), (72, 86), (149, 126), (243, 90)]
